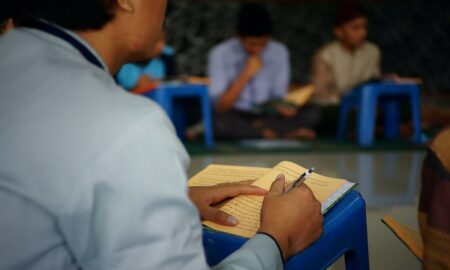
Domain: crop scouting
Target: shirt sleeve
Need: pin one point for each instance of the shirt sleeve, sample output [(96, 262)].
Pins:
[(376, 63), (283, 76), (128, 76), (323, 80), (217, 73), (259, 253)]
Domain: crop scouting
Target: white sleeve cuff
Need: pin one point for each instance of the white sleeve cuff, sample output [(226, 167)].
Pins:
[(260, 252)]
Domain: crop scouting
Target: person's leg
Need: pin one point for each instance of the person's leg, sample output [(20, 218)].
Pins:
[(306, 122), (301, 126), (308, 116), (236, 125), (328, 123)]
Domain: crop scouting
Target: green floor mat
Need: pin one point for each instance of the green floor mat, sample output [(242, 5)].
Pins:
[(319, 145)]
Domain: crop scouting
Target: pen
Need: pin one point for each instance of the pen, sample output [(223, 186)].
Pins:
[(300, 180)]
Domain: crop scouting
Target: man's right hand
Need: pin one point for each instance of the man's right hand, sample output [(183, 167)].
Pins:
[(293, 219), (253, 66)]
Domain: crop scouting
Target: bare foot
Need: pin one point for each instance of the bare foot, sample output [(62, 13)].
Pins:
[(191, 136), (269, 134), (302, 134), (406, 130), (258, 124)]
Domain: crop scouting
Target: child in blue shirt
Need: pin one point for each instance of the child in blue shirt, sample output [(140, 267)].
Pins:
[(145, 76)]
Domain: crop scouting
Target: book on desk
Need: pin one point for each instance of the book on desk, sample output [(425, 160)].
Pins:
[(247, 208)]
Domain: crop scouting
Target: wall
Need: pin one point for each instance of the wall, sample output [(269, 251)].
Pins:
[(413, 35)]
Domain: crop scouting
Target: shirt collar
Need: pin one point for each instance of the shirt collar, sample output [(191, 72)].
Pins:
[(88, 46), (81, 40)]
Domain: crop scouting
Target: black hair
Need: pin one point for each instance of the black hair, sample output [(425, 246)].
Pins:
[(254, 20), (348, 13), (70, 14)]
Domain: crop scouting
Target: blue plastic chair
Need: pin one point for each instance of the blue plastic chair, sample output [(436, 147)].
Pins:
[(344, 234), (165, 96), (389, 95)]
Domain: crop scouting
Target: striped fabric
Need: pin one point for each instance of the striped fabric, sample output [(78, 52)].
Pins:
[(434, 208)]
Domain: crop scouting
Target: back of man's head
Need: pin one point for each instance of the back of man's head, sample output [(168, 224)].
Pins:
[(254, 20), (75, 15)]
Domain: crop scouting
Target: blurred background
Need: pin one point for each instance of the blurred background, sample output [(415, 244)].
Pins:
[(412, 35), (414, 39)]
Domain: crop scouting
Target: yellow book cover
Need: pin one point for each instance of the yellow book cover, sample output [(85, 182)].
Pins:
[(410, 237), (300, 96)]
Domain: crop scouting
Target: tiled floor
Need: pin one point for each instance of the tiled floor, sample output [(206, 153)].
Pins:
[(389, 182)]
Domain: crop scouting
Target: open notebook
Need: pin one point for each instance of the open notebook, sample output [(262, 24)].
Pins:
[(247, 209)]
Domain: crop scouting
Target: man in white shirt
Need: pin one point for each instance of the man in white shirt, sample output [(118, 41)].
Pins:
[(92, 177)]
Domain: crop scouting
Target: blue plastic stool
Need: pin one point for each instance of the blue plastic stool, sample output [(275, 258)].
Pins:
[(165, 96), (366, 99), (345, 233)]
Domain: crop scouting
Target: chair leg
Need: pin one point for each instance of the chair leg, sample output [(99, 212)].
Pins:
[(179, 118), (391, 111), (358, 258), (415, 108), (164, 100), (366, 121), (343, 113), (207, 121)]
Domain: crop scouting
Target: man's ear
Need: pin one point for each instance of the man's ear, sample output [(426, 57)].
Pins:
[(126, 5)]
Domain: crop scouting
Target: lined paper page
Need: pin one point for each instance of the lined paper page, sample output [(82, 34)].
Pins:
[(247, 209), (219, 174)]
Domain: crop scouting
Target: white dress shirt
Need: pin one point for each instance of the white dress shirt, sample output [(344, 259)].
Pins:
[(92, 177)]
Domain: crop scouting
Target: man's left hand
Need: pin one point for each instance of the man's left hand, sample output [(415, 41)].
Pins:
[(207, 198)]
